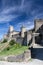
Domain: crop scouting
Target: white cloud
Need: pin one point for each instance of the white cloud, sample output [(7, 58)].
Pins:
[(24, 7), (22, 3), (7, 18), (29, 25), (39, 15), (10, 9)]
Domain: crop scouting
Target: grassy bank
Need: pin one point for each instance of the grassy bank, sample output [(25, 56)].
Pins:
[(13, 51)]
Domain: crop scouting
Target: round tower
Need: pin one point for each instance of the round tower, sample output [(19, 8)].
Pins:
[(11, 28), (23, 29), (10, 31)]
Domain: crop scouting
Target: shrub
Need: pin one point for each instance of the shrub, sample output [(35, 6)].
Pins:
[(12, 42), (7, 48), (4, 41), (17, 45)]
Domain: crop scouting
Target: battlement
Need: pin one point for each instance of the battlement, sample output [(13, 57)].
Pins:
[(38, 23)]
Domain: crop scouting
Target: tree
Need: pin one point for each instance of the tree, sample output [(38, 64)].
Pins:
[(12, 42), (4, 41)]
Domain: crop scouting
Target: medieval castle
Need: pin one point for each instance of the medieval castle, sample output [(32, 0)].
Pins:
[(25, 37)]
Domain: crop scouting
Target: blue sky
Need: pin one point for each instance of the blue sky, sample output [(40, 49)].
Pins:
[(18, 13)]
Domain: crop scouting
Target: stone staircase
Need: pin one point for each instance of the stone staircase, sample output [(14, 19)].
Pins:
[(3, 46)]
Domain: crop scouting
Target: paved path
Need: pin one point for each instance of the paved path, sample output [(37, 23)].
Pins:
[(32, 62)]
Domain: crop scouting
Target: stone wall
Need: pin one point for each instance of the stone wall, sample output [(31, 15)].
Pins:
[(18, 58), (19, 40), (22, 57), (29, 36), (38, 23)]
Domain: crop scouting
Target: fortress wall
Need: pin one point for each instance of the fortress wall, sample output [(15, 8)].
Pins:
[(29, 36), (19, 40), (13, 33), (38, 23)]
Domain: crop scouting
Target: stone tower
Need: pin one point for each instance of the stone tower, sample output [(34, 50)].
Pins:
[(23, 29), (38, 23), (11, 29)]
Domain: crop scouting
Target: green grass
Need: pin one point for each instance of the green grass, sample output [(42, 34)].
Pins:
[(13, 51)]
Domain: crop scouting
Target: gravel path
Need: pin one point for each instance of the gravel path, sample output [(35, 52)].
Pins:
[(32, 62)]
